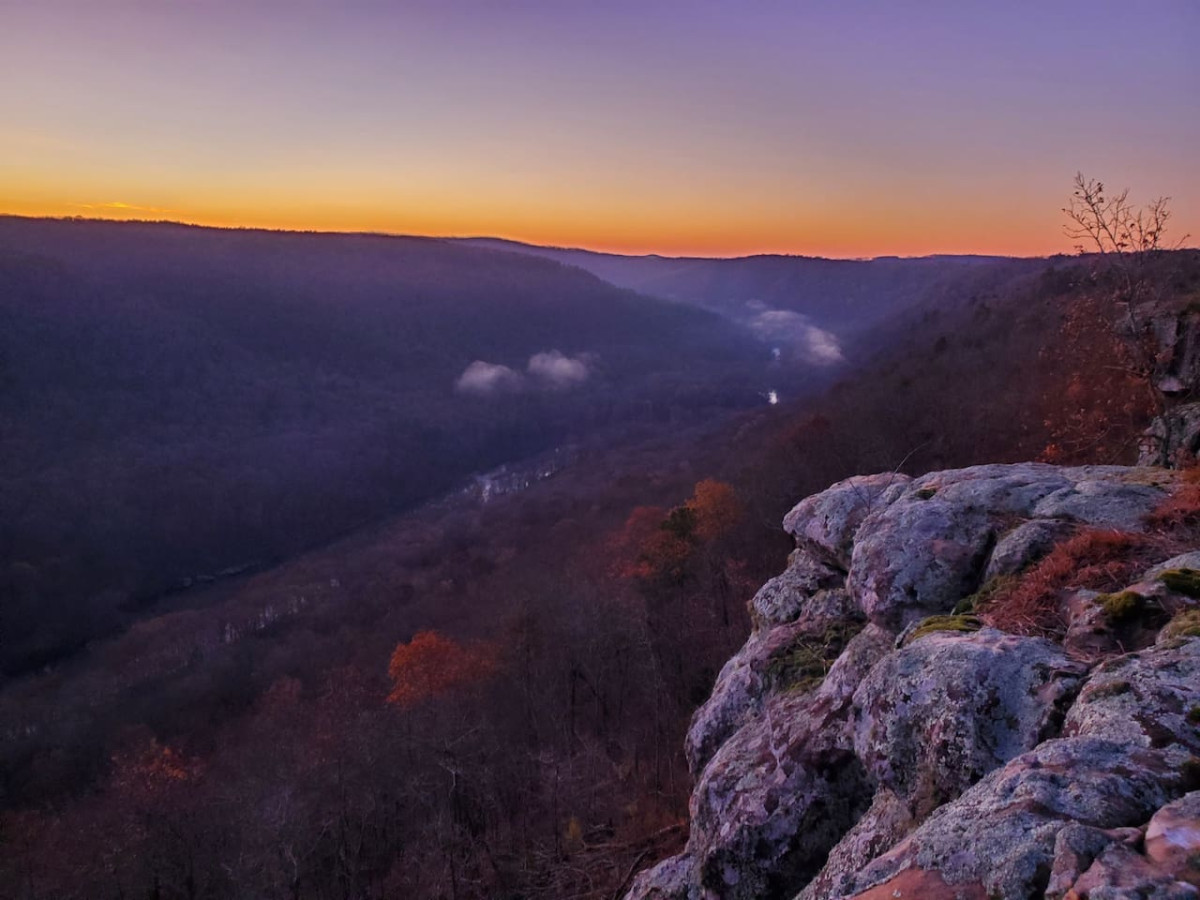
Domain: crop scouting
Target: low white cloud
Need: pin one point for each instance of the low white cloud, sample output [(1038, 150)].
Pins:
[(558, 370), (812, 344), (483, 378), (548, 370), (822, 347)]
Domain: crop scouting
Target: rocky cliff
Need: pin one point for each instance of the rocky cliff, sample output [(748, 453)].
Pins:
[(1173, 438), (981, 683)]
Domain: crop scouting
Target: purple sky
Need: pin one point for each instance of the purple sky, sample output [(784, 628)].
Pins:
[(836, 128)]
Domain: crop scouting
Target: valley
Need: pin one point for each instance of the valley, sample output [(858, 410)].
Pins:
[(546, 572)]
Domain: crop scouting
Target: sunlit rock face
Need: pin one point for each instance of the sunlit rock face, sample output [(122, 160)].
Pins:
[(870, 741)]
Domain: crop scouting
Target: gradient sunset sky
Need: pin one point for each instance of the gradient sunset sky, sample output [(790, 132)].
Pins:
[(838, 128)]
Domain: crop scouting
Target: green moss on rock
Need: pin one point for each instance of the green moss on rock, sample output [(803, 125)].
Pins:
[(957, 623), (1184, 625), (1182, 581), (1123, 607), (803, 665), (1113, 689), (799, 669)]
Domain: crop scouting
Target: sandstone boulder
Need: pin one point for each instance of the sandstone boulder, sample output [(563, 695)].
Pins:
[(787, 596), (1172, 838), (888, 820), (826, 523), (940, 714), (1101, 498), (1024, 545), (1143, 699), (1128, 749), (955, 761), (775, 659), (919, 557), (781, 791), (999, 837), (1172, 439)]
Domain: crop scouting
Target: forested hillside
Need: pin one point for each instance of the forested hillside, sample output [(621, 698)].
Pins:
[(180, 401), (482, 700), (848, 297)]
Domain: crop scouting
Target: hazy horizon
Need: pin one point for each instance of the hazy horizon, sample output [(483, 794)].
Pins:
[(700, 129), (350, 232)]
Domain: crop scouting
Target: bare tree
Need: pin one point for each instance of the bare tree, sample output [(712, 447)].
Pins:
[(1111, 225), (1127, 241)]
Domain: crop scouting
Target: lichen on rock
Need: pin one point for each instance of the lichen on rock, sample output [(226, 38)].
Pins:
[(929, 754), (936, 716)]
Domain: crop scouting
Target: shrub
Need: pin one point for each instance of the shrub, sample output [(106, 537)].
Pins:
[(431, 665), (1097, 559), (1181, 509)]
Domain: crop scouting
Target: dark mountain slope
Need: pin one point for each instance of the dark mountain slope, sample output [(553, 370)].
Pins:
[(179, 400), (842, 295)]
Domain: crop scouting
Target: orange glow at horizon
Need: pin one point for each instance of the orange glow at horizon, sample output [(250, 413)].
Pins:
[(714, 129), (717, 234)]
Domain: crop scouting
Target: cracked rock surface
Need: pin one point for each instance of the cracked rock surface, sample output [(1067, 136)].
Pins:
[(931, 755)]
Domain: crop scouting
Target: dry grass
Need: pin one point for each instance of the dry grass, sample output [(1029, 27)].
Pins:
[(1097, 559), (1181, 510)]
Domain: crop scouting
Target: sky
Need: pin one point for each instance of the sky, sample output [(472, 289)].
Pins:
[(842, 129)]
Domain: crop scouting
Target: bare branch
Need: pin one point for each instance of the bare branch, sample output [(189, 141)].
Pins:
[(1127, 239)]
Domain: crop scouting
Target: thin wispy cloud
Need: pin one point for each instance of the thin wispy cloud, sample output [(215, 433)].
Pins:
[(118, 206)]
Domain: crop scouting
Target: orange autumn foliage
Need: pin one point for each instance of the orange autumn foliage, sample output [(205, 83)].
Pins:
[(657, 544), (1095, 391), (717, 509), (1179, 510), (1182, 508), (149, 768), (662, 555), (623, 548), (432, 664)]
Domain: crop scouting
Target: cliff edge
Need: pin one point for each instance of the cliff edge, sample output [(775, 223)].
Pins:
[(980, 683)]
